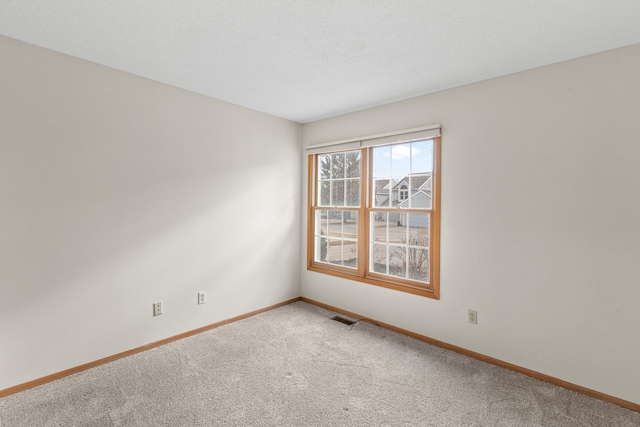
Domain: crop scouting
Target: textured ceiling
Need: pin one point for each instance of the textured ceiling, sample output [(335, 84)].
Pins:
[(305, 60)]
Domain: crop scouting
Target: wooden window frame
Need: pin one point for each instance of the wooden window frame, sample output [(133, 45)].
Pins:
[(362, 272)]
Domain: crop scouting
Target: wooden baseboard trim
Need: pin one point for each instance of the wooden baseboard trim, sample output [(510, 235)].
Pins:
[(537, 375), (40, 381)]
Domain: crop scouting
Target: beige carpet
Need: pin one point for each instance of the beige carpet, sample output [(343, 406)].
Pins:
[(293, 366)]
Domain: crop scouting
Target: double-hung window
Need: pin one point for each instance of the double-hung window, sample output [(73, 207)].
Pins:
[(374, 210)]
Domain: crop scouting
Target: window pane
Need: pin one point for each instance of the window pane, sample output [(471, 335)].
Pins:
[(353, 192), (422, 156), (420, 193), (324, 170), (337, 166), (387, 226), (322, 244), (381, 162), (381, 176), (353, 164), (402, 175), (382, 193), (379, 227), (337, 193), (417, 248), (339, 178), (421, 171), (419, 270), (320, 236), (427, 187), (335, 223), (400, 159), (321, 222), (403, 238), (419, 228), (379, 259), (397, 261), (325, 193), (336, 237)]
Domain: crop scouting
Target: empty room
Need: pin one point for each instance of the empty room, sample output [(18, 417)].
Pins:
[(322, 213)]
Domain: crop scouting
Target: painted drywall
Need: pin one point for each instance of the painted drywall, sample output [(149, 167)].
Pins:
[(540, 220), (116, 192)]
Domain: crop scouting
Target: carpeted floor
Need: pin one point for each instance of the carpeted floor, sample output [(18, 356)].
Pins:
[(293, 366)]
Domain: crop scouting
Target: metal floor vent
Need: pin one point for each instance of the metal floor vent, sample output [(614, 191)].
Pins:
[(343, 320)]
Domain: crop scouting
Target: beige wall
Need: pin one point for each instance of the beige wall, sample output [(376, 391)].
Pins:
[(540, 220), (115, 192)]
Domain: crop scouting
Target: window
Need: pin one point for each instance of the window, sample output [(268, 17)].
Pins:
[(404, 193), (374, 213)]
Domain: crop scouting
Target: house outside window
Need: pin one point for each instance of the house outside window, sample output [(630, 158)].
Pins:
[(374, 213)]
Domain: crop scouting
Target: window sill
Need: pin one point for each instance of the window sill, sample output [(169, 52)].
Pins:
[(428, 292)]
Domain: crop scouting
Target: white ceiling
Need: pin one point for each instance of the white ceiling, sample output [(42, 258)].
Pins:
[(306, 60)]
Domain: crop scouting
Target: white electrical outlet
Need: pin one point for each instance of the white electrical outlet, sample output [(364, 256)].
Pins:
[(157, 308), (202, 297), (473, 317)]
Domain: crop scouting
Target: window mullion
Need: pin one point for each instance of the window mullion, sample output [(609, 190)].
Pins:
[(342, 238), (410, 199), (407, 242), (363, 214), (388, 245)]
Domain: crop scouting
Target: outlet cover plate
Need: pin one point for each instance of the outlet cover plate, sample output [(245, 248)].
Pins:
[(157, 308), (202, 297), (473, 317)]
